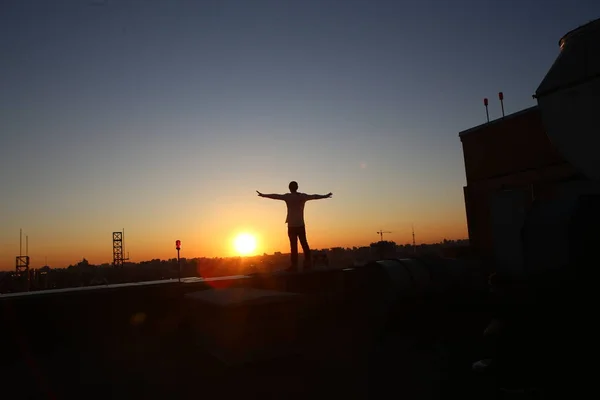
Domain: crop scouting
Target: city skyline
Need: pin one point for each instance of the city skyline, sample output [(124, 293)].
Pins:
[(23, 250), (163, 118)]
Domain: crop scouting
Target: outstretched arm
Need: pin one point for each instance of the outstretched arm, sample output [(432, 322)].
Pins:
[(270, 196), (319, 196)]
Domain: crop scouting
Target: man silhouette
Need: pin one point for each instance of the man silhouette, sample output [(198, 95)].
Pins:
[(295, 220)]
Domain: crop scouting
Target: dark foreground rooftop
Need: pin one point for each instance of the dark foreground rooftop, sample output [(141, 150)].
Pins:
[(354, 333)]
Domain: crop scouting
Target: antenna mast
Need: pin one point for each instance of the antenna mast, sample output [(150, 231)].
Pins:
[(414, 242), (22, 261), (118, 244), (487, 113), (124, 259)]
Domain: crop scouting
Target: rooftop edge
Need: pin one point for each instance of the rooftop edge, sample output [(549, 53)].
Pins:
[(498, 120)]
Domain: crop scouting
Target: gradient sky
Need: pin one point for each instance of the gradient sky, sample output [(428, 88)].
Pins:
[(164, 117)]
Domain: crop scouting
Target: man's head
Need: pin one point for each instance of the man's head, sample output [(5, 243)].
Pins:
[(293, 186)]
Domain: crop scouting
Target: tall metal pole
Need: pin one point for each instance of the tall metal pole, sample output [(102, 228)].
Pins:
[(414, 242), (178, 247), (487, 113)]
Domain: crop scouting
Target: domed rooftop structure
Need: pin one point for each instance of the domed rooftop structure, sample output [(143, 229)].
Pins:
[(569, 99)]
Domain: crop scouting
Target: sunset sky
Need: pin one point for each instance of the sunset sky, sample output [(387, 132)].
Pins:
[(164, 117)]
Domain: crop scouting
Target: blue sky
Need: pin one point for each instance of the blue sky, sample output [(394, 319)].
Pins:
[(163, 117)]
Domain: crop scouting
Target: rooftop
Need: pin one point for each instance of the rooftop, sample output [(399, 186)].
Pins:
[(498, 121)]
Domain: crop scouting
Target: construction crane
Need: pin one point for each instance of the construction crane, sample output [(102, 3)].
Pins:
[(380, 233)]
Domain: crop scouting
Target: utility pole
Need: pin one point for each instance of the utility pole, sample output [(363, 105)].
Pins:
[(414, 242), (178, 247)]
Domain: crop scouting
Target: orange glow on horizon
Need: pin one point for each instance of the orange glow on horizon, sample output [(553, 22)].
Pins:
[(215, 240), (268, 244)]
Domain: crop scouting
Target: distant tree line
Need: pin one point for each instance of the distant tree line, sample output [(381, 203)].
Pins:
[(85, 274)]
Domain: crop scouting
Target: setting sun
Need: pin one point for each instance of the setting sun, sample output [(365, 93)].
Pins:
[(244, 244)]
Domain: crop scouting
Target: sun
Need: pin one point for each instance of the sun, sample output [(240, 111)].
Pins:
[(244, 244)]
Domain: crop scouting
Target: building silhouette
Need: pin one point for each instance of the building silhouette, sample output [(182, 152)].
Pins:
[(512, 160), (536, 155)]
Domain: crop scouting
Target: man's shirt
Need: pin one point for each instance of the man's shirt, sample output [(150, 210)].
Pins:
[(295, 206)]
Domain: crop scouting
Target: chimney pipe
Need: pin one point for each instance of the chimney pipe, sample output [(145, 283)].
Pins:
[(501, 97)]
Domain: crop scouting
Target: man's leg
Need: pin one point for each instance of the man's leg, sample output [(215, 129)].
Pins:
[(293, 235), (305, 247)]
